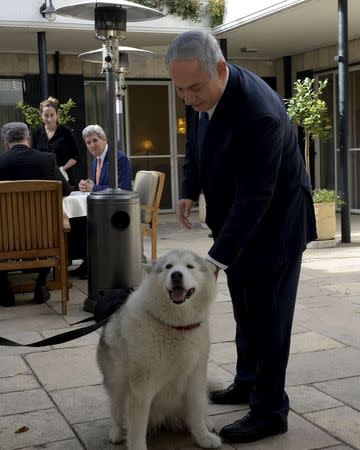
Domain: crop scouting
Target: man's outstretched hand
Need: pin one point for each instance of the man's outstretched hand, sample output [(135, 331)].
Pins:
[(183, 211)]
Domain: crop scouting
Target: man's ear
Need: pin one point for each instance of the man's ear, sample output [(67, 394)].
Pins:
[(221, 70)]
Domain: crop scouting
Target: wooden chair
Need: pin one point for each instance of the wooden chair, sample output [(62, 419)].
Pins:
[(32, 229), (149, 184)]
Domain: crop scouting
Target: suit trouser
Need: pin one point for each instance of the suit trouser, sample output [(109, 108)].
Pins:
[(263, 309)]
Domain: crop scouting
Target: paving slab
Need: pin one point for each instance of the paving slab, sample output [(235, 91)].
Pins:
[(218, 377), (343, 422), (65, 368), (43, 427), (340, 322), (23, 337), (18, 383), (83, 404), (323, 375), (311, 342), (346, 390), (222, 327), (95, 437), (88, 339), (304, 399), (338, 447), (302, 435), (223, 352), (30, 318), (12, 365), (323, 365), (70, 444), (20, 402)]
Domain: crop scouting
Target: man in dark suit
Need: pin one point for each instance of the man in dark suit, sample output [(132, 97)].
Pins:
[(242, 152), (20, 162), (95, 140)]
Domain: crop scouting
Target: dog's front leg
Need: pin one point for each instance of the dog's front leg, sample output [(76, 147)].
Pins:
[(117, 395), (140, 399), (196, 410)]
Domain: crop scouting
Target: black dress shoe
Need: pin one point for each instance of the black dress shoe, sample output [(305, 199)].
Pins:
[(41, 294), (232, 395), (253, 427)]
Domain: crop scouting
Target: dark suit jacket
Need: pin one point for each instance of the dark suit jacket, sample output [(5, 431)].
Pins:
[(124, 172), (258, 196), (24, 163)]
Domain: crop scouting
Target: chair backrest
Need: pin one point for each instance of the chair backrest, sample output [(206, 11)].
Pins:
[(31, 219), (149, 184)]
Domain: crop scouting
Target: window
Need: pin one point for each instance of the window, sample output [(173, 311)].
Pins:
[(11, 92)]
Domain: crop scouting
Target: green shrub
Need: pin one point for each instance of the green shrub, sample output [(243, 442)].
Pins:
[(189, 9), (32, 115), (215, 11), (326, 196)]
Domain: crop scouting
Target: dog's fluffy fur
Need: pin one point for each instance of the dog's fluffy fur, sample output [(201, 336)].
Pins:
[(154, 351)]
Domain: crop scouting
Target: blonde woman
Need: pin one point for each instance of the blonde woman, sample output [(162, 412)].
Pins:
[(55, 138)]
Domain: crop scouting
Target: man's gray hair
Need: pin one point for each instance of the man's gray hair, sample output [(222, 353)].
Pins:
[(14, 132), (93, 129), (196, 45)]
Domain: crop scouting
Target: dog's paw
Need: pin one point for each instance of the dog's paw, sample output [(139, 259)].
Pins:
[(209, 440), (116, 434)]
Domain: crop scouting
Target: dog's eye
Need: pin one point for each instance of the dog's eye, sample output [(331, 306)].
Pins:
[(168, 266), (189, 266)]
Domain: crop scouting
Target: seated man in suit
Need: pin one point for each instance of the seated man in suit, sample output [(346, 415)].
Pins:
[(21, 162), (95, 139)]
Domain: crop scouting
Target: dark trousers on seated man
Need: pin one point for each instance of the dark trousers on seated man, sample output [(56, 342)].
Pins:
[(77, 245), (41, 292)]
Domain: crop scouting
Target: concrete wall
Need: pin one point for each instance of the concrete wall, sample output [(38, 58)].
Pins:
[(321, 59), (16, 65)]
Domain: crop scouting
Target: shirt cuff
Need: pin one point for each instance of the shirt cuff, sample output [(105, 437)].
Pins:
[(216, 263)]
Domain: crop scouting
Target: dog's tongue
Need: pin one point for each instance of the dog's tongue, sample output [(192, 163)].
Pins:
[(178, 295)]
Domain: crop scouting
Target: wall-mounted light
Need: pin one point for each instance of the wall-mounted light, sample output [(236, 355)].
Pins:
[(249, 50), (47, 10), (181, 125)]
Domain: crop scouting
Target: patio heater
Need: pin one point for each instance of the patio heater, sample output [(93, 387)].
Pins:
[(111, 17), (120, 72), (113, 217)]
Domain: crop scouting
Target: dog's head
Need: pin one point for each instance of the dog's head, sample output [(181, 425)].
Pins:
[(183, 277)]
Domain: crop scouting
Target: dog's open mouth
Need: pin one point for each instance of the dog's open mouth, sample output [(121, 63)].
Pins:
[(179, 294)]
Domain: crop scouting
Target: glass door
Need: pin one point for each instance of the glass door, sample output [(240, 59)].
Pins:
[(329, 150), (154, 129)]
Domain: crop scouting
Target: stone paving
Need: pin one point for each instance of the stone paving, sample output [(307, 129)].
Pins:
[(56, 392)]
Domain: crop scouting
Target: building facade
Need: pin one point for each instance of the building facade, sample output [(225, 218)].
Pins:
[(278, 40)]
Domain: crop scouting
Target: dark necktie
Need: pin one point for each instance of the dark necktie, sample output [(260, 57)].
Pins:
[(202, 127)]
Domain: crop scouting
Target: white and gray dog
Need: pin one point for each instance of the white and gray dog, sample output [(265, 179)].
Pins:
[(154, 351)]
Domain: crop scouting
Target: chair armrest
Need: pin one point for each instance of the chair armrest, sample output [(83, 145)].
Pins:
[(149, 208)]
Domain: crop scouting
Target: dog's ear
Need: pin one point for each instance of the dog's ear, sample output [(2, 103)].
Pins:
[(147, 267)]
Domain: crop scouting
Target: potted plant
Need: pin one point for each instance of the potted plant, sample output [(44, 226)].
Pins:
[(32, 115), (308, 110), (324, 205)]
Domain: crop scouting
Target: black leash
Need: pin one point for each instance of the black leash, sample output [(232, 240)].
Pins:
[(103, 310), (59, 338)]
